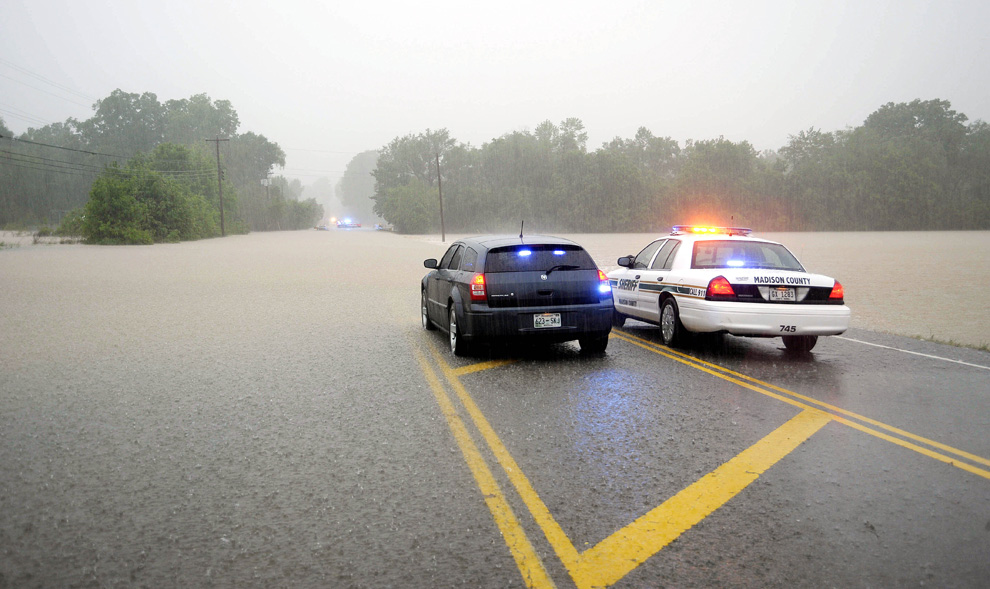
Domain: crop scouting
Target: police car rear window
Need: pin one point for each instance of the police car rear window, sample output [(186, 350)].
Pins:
[(743, 254), (532, 258)]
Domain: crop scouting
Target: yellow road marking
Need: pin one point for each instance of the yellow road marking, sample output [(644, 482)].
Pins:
[(838, 413), (530, 565), (617, 555), (481, 366), (614, 557)]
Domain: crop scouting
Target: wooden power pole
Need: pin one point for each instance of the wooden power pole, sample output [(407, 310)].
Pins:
[(443, 231), (223, 232)]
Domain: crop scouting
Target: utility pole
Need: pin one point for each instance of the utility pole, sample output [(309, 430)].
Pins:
[(223, 232), (443, 232)]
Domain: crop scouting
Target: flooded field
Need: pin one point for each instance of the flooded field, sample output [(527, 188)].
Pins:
[(919, 284)]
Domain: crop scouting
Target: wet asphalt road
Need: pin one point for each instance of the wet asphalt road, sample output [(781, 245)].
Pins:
[(266, 410)]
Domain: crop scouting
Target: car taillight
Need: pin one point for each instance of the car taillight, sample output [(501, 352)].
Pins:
[(603, 285), (837, 294), (478, 288), (719, 287)]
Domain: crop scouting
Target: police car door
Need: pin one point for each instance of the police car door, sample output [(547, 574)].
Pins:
[(626, 291), (650, 280)]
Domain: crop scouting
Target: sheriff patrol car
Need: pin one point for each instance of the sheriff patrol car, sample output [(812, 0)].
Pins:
[(724, 280)]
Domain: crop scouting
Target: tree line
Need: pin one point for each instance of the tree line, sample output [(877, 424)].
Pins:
[(909, 166), (148, 162)]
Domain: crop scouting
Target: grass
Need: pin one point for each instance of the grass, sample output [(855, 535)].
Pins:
[(984, 347)]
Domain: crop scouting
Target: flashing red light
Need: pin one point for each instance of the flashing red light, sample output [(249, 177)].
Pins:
[(478, 288), (602, 277), (720, 287), (837, 293)]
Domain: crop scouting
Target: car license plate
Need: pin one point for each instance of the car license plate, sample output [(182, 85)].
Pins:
[(782, 294), (546, 320)]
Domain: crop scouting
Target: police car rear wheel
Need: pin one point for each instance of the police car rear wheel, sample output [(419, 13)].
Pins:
[(427, 324), (671, 330), (800, 343)]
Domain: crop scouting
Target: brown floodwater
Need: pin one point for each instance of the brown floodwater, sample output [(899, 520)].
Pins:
[(929, 284)]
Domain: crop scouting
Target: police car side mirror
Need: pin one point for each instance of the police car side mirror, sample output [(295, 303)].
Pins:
[(626, 261), (431, 263)]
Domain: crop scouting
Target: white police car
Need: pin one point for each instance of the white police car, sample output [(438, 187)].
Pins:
[(722, 280)]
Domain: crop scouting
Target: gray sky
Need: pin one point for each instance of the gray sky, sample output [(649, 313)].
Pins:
[(327, 80)]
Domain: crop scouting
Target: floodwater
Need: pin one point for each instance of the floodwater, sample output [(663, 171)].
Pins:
[(928, 284), (246, 411)]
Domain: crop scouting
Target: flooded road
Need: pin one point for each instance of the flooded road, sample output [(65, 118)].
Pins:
[(265, 410)]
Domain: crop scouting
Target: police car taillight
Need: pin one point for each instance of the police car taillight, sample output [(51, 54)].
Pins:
[(719, 287), (837, 294), (478, 288)]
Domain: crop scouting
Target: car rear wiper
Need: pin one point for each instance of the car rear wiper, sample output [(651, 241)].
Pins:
[(562, 267)]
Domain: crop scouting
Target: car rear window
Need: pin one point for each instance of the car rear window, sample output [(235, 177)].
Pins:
[(743, 254), (531, 258)]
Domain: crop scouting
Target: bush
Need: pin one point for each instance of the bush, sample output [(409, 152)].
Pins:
[(71, 225)]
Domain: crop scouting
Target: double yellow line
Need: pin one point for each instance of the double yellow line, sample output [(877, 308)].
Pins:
[(621, 552), (905, 439), (615, 556)]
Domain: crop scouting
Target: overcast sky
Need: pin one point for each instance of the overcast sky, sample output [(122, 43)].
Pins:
[(327, 80)]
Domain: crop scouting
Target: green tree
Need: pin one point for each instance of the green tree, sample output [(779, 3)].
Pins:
[(191, 120)]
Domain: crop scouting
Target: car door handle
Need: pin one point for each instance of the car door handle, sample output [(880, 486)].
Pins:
[(545, 292)]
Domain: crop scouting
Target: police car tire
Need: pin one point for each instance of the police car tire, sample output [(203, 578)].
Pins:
[(427, 324), (618, 319), (672, 334), (594, 344), (458, 346), (800, 343)]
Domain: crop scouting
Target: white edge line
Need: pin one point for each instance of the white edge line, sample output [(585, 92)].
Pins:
[(849, 339)]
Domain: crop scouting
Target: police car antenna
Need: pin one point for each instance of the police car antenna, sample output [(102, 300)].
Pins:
[(521, 224)]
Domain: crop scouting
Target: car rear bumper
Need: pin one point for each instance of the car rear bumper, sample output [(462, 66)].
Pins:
[(763, 319), (576, 321)]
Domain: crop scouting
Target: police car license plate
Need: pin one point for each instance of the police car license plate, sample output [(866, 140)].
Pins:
[(546, 320), (783, 294)]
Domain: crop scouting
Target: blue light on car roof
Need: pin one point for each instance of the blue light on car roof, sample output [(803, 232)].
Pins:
[(558, 252), (524, 253)]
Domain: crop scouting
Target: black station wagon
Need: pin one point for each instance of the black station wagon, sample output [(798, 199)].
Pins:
[(534, 288)]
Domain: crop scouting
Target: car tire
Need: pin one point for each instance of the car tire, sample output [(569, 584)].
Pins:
[(618, 319), (427, 324), (458, 346), (800, 343), (594, 344), (671, 329)]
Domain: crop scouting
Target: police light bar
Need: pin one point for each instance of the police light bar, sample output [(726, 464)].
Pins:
[(702, 230)]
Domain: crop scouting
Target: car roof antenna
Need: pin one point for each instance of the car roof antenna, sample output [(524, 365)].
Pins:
[(521, 224)]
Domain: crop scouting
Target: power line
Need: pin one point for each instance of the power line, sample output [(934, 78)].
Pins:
[(46, 80), (45, 91), (13, 139), (20, 114)]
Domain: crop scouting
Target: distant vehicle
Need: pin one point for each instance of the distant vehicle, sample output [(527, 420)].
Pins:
[(533, 288), (723, 280), (347, 223), (322, 228)]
